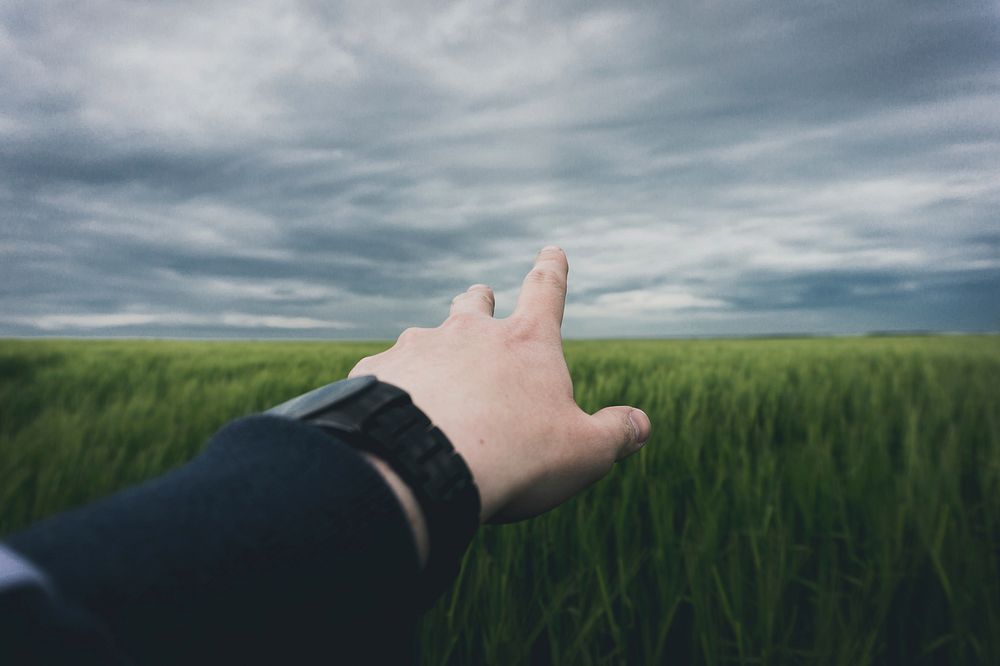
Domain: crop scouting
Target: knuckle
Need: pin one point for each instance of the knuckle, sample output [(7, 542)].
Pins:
[(408, 335), (524, 329), (546, 277), (602, 455), (461, 320), (616, 441), (481, 289), (593, 462), (484, 294), (360, 368)]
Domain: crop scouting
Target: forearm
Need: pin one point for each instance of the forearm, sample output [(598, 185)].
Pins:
[(276, 530), (411, 507)]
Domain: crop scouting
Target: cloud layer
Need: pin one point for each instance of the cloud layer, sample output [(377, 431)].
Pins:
[(341, 170)]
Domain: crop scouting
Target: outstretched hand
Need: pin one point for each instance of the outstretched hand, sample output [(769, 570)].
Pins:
[(500, 390)]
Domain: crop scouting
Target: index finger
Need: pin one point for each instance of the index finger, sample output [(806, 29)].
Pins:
[(543, 293)]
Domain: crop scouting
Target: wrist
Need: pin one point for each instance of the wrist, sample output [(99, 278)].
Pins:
[(434, 485), (411, 508), (476, 451)]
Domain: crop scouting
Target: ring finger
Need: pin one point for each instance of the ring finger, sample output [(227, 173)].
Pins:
[(477, 299)]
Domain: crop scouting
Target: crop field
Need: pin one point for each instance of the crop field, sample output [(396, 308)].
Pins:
[(830, 501)]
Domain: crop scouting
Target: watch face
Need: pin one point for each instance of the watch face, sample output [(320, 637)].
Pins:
[(322, 398)]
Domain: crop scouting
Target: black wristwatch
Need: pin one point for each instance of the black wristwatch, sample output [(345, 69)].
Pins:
[(380, 418)]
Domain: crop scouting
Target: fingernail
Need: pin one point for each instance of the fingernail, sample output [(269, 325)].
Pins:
[(640, 424), (551, 248), (478, 286)]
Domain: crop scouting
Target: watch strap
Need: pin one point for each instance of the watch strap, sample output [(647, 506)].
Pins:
[(383, 421)]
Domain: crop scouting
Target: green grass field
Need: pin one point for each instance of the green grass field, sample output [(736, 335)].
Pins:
[(801, 501)]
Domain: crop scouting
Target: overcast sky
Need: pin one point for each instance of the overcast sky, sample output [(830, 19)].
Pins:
[(328, 169)]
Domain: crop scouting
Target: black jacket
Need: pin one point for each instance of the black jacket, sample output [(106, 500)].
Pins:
[(279, 544)]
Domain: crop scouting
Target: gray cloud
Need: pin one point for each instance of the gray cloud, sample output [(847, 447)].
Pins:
[(341, 169)]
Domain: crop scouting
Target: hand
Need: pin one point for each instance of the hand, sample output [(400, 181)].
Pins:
[(500, 390)]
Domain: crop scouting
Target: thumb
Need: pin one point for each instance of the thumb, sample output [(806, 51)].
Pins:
[(625, 429)]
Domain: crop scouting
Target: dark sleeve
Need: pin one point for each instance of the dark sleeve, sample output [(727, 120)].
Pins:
[(278, 544)]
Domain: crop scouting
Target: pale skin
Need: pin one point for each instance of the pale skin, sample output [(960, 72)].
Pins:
[(500, 390)]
